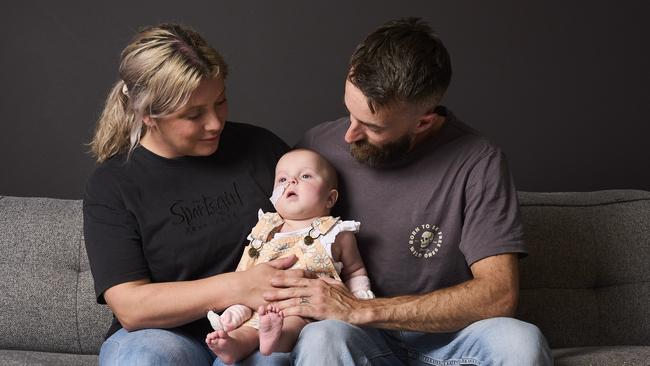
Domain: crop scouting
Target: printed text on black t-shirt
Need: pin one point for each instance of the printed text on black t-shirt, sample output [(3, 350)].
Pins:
[(207, 209)]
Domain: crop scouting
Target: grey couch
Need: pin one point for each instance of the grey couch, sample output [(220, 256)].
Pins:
[(586, 282)]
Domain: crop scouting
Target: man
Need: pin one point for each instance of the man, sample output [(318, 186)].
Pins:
[(440, 231)]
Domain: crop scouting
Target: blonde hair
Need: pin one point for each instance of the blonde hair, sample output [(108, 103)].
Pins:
[(159, 70)]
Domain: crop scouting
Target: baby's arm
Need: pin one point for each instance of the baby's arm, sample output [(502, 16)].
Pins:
[(354, 272)]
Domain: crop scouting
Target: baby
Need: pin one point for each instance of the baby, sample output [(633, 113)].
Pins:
[(303, 195)]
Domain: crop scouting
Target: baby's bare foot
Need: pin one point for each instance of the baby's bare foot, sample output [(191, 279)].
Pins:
[(271, 320), (225, 347)]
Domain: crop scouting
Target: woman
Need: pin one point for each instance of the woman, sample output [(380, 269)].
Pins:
[(167, 210)]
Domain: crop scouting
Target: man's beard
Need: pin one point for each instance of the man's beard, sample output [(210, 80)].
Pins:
[(374, 156)]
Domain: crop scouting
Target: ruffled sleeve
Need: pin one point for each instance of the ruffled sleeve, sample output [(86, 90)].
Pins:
[(268, 219), (328, 239)]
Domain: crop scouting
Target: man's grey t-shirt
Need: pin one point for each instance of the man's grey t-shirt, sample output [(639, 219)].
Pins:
[(428, 217)]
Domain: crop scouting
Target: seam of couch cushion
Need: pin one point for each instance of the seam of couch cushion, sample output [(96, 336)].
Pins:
[(584, 288), (76, 293), (582, 205), (621, 284)]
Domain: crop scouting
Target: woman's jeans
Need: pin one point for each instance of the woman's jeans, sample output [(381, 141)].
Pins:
[(496, 341)]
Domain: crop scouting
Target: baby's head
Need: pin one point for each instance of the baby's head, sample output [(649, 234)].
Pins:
[(305, 185)]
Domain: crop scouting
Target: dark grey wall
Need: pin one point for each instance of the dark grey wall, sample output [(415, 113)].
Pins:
[(561, 86)]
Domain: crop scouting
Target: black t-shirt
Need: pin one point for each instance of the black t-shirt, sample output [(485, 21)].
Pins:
[(426, 218), (177, 219)]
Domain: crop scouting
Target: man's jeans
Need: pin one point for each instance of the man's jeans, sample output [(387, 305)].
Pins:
[(497, 341)]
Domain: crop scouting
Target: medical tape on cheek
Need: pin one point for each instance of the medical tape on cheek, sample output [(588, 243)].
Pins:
[(277, 193)]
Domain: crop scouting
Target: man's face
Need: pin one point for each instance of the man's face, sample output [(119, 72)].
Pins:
[(379, 137)]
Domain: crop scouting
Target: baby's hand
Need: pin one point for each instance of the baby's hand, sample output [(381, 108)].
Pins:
[(230, 319), (234, 316), (215, 320)]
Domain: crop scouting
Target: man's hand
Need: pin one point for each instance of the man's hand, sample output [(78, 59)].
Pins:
[(491, 293), (320, 298)]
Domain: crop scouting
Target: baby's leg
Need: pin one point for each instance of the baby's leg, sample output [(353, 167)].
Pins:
[(277, 333), (234, 346), (231, 318)]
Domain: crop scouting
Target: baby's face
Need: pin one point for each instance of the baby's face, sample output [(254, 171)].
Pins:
[(307, 192)]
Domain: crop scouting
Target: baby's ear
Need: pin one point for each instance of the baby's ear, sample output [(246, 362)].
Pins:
[(332, 198)]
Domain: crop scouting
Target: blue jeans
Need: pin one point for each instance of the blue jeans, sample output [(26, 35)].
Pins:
[(153, 347), (497, 341)]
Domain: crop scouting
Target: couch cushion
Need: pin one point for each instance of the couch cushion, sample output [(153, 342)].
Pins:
[(22, 358), (586, 281), (602, 356), (46, 295)]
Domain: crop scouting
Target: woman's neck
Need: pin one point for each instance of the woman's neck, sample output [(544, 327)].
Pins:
[(149, 142)]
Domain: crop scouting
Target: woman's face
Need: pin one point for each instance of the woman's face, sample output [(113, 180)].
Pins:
[(195, 129)]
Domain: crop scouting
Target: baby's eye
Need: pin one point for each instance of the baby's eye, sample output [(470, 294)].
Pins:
[(282, 180), (305, 176)]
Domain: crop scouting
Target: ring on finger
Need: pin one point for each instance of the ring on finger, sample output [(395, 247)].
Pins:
[(304, 300)]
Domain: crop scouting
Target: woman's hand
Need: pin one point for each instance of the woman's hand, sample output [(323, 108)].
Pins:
[(257, 280)]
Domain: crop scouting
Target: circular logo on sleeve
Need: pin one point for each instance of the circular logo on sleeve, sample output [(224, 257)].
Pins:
[(425, 241)]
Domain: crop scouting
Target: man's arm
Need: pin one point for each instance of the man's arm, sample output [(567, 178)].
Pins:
[(493, 292)]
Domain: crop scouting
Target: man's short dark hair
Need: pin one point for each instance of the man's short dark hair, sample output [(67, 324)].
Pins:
[(403, 60)]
